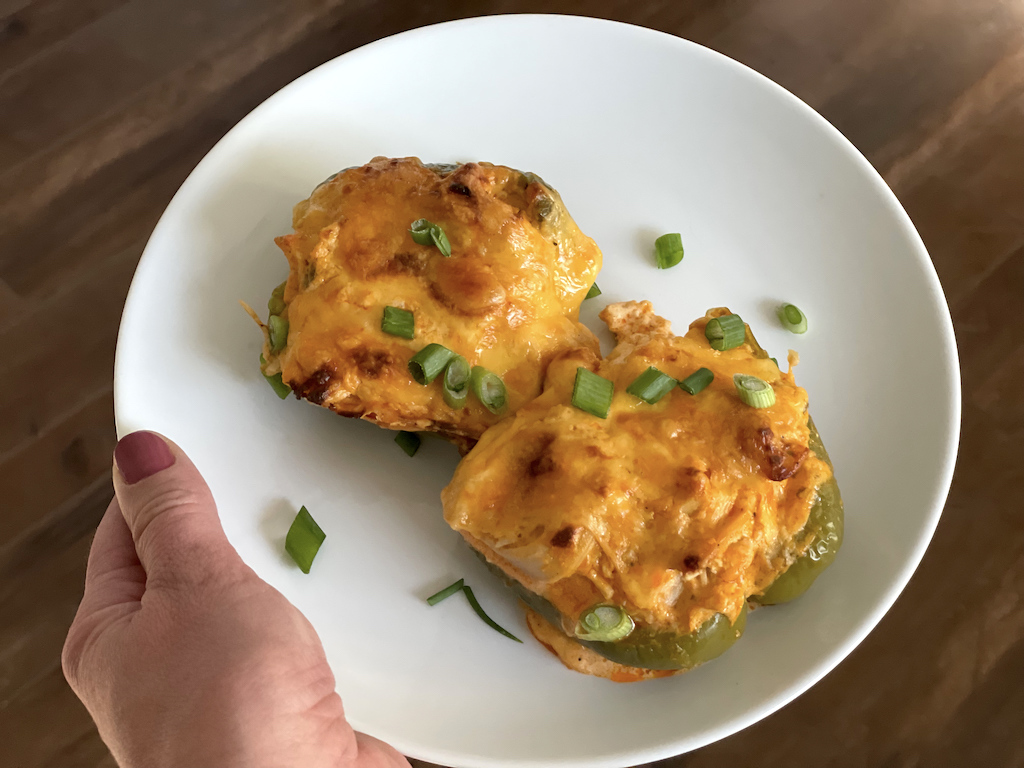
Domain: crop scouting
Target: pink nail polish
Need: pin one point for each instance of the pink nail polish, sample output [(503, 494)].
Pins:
[(140, 455)]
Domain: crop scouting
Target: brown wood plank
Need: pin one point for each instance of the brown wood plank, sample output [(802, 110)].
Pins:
[(27, 28), (41, 580), (103, 222), (58, 465), (106, 63), (10, 302), (988, 322), (189, 67), (999, 395), (38, 606), (50, 701), (76, 518), (968, 201), (9, 8), (61, 354), (87, 751)]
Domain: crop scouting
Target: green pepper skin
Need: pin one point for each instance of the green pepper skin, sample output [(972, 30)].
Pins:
[(645, 647), (653, 649), (825, 525)]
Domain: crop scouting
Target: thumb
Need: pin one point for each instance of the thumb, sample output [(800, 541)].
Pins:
[(169, 510)]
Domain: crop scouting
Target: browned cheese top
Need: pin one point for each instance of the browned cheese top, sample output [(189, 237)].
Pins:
[(507, 299), (676, 511)]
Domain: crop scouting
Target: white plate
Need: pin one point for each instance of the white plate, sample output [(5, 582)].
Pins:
[(642, 133)]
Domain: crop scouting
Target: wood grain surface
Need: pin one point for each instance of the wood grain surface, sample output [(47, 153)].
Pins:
[(105, 107)]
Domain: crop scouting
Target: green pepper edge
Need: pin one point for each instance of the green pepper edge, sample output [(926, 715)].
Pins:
[(826, 515), (631, 650)]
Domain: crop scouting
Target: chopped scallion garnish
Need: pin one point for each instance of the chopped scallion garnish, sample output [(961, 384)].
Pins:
[(441, 241), (593, 293), (304, 539), (755, 392), (792, 318), (429, 362), (604, 623), (489, 389), (408, 442), (398, 322), (592, 393), (669, 250), (420, 231), (483, 615), (426, 233), (455, 382), (725, 332), (445, 593), (277, 384), (651, 385), (461, 586), (776, 363), (276, 303), (697, 381), (278, 332), (276, 381)]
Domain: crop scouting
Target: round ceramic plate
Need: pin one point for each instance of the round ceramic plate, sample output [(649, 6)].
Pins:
[(642, 133)]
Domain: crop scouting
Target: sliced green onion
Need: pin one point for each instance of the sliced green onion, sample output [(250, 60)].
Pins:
[(276, 381), (278, 332), (480, 612), (445, 593), (604, 623), (669, 250), (275, 305), (651, 385), (427, 232), (725, 332), (593, 293), (697, 381), (592, 393), (398, 322), (420, 231), (776, 363), (455, 382), (408, 442), (755, 392), (304, 539), (489, 389), (279, 291), (441, 241), (429, 362), (277, 384), (792, 318)]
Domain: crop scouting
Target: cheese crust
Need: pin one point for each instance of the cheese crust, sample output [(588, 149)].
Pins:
[(506, 299), (676, 511)]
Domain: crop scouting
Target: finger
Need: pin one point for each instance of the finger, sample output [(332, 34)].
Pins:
[(113, 575), (374, 753), (169, 510), (114, 584)]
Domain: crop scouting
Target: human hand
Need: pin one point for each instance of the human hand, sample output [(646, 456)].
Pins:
[(183, 656)]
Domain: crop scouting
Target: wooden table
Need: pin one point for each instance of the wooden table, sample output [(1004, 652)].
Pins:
[(106, 105)]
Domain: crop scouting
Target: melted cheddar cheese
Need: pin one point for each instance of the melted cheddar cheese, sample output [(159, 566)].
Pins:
[(676, 511), (506, 299)]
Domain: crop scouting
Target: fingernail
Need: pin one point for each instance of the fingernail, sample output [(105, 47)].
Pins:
[(140, 455)]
